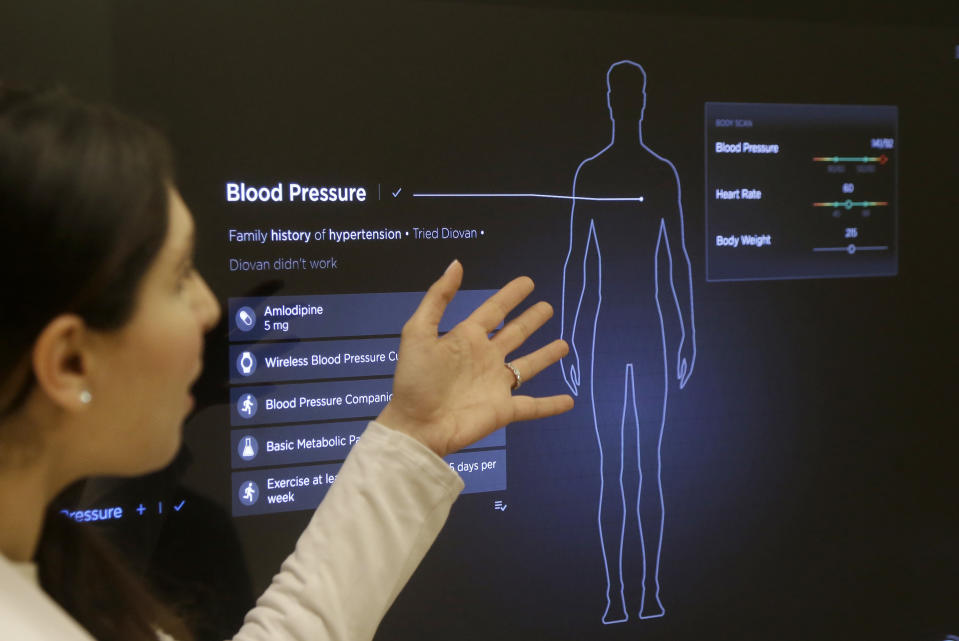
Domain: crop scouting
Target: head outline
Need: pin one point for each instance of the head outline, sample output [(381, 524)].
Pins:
[(609, 87)]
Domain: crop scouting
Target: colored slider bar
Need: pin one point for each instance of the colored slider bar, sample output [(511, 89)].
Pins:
[(882, 160), (849, 204)]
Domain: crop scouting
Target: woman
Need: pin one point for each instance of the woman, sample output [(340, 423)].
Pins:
[(103, 337)]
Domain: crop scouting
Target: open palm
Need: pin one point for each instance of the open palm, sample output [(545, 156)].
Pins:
[(452, 390)]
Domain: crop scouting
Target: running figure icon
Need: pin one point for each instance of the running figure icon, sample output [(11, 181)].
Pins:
[(246, 405), (627, 260), (249, 493)]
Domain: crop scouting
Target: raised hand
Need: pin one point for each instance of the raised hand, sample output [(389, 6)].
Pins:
[(452, 390)]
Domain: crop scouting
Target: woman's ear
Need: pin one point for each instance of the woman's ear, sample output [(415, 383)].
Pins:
[(61, 362)]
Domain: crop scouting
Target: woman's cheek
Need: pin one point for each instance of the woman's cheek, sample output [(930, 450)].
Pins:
[(179, 349)]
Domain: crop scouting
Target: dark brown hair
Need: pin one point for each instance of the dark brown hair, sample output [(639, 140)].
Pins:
[(83, 213)]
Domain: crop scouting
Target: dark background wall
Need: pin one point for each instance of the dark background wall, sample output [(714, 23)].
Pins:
[(58, 43)]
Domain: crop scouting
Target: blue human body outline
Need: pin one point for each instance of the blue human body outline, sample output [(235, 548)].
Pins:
[(684, 366)]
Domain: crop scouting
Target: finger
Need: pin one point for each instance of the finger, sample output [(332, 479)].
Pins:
[(430, 310), (534, 363), (491, 313), (522, 327), (686, 375), (526, 408)]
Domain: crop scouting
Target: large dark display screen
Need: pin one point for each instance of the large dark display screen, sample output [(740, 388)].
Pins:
[(746, 227)]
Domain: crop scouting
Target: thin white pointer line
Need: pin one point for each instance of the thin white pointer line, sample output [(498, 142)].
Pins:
[(556, 196)]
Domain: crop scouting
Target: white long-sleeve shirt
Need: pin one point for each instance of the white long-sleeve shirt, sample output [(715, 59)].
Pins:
[(390, 500)]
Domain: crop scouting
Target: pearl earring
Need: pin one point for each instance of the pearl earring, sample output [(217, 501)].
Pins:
[(86, 397)]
